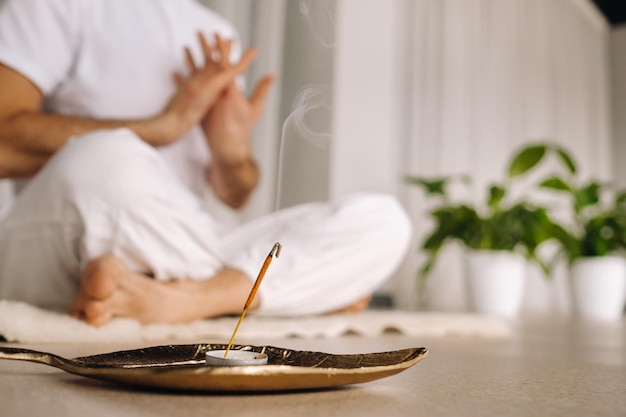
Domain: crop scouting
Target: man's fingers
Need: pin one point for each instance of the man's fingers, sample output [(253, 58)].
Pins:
[(224, 46), (225, 54), (259, 95), (207, 50), (245, 61), (228, 75), (178, 78), (191, 64)]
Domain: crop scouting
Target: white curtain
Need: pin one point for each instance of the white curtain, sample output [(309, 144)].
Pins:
[(490, 75), (618, 90)]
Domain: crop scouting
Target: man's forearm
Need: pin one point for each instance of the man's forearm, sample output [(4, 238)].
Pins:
[(233, 183), (28, 139)]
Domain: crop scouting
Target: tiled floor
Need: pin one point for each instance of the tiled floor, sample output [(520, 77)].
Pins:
[(549, 368)]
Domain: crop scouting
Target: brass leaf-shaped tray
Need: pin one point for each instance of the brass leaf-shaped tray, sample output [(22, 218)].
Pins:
[(182, 367)]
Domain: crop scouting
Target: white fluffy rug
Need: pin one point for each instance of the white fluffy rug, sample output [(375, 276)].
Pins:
[(21, 322)]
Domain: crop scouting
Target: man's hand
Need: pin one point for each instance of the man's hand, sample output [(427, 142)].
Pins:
[(197, 93), (227, 125)]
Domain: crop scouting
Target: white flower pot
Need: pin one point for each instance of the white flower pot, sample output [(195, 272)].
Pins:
[(599, 287), (496, 282)]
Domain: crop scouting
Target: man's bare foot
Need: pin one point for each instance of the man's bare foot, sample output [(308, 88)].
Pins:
[(356, 307), (99, 281), (109, 289)]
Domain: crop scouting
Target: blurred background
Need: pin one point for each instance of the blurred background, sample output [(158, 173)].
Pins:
[(369, 91)]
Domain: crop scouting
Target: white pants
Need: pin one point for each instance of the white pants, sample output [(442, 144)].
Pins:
[(109, 192)]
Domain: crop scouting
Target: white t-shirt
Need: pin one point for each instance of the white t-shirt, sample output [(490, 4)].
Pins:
[(111, 59)]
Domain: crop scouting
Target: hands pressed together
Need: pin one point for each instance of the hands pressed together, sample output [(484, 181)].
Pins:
[(208, 96)]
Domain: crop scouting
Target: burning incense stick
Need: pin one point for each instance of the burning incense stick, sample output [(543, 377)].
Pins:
[(274, 252)]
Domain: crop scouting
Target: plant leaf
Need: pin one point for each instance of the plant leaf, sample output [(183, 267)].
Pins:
[(526, 159), (567, 159), (586, 196), (436, 186), (570, 244), (555, 183), (496, 194)]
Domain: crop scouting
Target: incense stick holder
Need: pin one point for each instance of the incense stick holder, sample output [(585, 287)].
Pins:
[(235, 358), (183, 367)]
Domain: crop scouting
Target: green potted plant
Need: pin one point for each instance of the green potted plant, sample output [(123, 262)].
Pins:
[(593, 244), (500, 234)]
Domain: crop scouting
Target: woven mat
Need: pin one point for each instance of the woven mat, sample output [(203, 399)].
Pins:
[(21, 322)]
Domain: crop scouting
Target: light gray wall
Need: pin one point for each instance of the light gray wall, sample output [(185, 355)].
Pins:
[(307, 64), (6, 187), (618, 82)]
